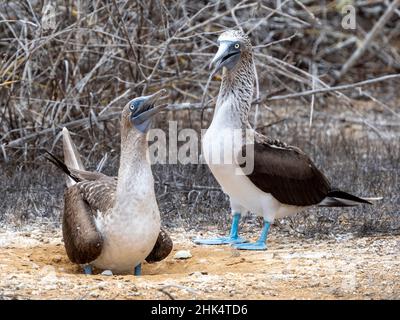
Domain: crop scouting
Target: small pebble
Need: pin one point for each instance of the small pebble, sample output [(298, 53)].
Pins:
[(107, 273), (183, 254), (57, 259)]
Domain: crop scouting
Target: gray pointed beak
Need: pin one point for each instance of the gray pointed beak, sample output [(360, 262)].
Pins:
[(152, 99), (142, 117), (223, 50), (226, 56)]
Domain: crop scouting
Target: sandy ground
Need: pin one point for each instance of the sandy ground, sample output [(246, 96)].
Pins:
[(33, 265)]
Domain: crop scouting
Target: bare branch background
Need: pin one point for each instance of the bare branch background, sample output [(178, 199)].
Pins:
[(76, 63)]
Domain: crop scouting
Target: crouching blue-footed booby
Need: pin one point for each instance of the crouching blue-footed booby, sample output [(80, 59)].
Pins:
[(283, 181), (113, 223)]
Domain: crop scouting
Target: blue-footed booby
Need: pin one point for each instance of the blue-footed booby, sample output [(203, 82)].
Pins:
[(113, 223), (284, 180)]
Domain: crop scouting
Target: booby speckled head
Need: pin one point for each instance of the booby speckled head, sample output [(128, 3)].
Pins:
[(139, 111), (233, 44)]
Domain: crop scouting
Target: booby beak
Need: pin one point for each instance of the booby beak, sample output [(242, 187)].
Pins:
[(227, 56), (143, 109)]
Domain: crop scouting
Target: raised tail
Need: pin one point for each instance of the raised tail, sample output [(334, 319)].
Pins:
[(74, 174), (71, 156), (337, 198), (61, 165)]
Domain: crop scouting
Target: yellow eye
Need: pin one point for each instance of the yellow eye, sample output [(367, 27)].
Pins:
[(237, 45)]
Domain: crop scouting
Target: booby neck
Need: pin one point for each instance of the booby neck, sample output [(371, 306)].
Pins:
[(236, 92), (134, 172)]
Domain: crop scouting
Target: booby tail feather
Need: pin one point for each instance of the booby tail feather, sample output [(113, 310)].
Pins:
[(71, 156), (61, 165), (75, 174), (337, 198)]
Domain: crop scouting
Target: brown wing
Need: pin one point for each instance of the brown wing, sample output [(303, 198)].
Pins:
[(99, 194), (161, 249), (287, 173), (83, 175), (82, 201), (83, 242)]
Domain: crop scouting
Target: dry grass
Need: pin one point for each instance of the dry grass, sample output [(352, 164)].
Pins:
[(190, 197)]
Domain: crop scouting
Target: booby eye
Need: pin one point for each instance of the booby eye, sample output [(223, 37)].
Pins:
[(237, 45), (132, 107)]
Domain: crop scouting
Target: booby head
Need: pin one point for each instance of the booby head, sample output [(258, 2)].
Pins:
[(141, 110), (233, 44)]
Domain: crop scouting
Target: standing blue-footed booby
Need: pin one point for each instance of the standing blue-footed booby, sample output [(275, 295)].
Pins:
[(283, 181), (113, 223)]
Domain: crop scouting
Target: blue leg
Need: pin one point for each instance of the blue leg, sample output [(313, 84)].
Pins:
[(87, 269), (260, 244), (138, 270), (231, 239)]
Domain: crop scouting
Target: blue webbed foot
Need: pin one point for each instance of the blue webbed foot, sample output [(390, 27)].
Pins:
[(260, 244), (231, 239), (138, 270), (87, 269), (251, 246), (220, 240)]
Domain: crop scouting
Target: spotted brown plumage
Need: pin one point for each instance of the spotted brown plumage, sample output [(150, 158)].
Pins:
[(83, 243), (114, 222), (94, 193), (89, 198), (99, 194), (161, 249)]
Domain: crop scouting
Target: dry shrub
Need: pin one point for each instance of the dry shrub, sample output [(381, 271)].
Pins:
[(78, 67)]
